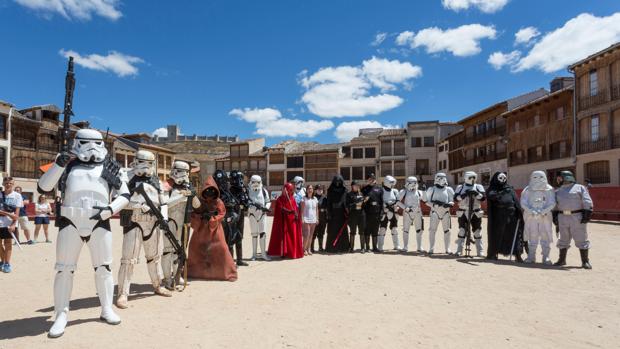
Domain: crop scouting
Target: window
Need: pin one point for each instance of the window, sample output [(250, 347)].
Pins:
[(23, 137), (276, 159), (416, 142), (597, 172), (244, 150), (23, 167), (441, 148), (558, 150), (345, 172), (368, 170), (234, 151), (168, 161), (276, 178), (516, 157), (357, 173), (2, 159), (292, 174), (386, 168), (594, 128), (386, 148), (481, 129), (243, 166), (369, 153), (399, 169), (160, 161), (294, 161), (447, 148), (429, 141), (490, 124), (536, 120), (559, 113), (535, 154), (358, 153), (593, 82), (517, 126), (399, 147), (421, 167), (485, 178), (3, 126), (347, 152), (234, 165), (262, 164), (322, 175)]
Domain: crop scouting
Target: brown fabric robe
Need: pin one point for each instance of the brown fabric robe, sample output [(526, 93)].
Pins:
[(209, 257)]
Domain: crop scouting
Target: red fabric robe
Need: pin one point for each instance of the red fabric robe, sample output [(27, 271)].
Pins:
[(286, 238), (209, 257)]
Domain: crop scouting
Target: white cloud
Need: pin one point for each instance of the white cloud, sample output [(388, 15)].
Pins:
[(269, 122), (346, 90), (461, 41), (350, 129), (161, 132), (578, 38), (79, 9), (525, 35), (115, 62), (486, 6), (379, 38), (499, 59)]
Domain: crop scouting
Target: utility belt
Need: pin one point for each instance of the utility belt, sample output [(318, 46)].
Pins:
[(475, 210), (569, 212), (129, 216)]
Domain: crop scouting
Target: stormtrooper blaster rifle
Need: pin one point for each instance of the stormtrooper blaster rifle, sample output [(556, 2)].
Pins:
[(259, 207), (163, 224)]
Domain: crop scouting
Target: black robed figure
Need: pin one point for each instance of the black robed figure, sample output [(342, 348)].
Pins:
[(337, 230), (504, 211)]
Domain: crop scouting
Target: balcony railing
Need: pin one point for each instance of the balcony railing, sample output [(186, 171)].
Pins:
[(555, 155), (24, 173), (587, 102), (517, 161), (498, 130), (616, 141), (592, 146), (615, 92), (24, 142)]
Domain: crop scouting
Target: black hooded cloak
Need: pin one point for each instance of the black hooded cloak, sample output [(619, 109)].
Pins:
[(337, 230), (504, 211)]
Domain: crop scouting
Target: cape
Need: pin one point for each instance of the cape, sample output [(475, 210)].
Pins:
[(286, 239)]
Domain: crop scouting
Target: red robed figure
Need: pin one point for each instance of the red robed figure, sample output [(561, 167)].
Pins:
[(286, 240)]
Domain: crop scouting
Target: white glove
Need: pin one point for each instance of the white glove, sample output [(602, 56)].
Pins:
[(145, 208)]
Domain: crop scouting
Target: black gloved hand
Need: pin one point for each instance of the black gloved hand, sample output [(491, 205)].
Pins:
[(555, 215), (586, 216), (63, 159), (463, 196), (163, 224)]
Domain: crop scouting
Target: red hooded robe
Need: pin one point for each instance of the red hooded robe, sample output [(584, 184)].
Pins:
[(209, 257), (286, 240)]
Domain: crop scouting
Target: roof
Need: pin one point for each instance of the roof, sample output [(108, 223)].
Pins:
[(392, 132), (137, 145), (48, 107), (510, 104), (594, 56), (538, 100), (422, 122), (244, 141), (323, 147)]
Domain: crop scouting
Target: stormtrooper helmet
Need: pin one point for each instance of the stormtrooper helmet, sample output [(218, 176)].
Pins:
[(180, 172), (256, 183), (88, 146), (502, 178), (144, 163), (538, 180), (411, 183), (470, 177), (441, 180), (389, 182), (299, 182)]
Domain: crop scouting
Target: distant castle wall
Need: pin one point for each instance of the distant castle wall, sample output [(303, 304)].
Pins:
[(175, 136)]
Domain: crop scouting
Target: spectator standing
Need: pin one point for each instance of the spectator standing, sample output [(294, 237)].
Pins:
[(23, 218), (43, 210), (9, 214)]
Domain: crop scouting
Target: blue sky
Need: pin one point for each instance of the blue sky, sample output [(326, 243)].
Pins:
[(291, 69)]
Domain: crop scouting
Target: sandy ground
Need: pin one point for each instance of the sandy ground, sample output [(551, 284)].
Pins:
[(359, 300)]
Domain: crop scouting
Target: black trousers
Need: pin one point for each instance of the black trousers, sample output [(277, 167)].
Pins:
[(357, 222), (372, 224)]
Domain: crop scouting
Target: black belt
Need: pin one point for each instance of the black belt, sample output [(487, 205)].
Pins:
[(475, 210), (571, 212), (322, 210)]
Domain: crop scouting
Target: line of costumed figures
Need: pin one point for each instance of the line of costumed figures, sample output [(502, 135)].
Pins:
[(157, 218)]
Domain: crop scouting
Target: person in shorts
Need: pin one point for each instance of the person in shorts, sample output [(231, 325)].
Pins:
[(23, 218), (9, 213), (42, 219)]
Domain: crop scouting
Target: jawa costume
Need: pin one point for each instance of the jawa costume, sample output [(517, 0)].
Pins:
[(337, 232), (209, 257), (504, 213), (286, 240)]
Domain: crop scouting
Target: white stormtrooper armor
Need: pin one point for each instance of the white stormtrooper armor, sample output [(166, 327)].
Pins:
[(390, 198), (259, 202), (440, 198), (537, 202), (86, 185), (140, 227), (409, 201), (470, 190), (300, 191), (180, 191)]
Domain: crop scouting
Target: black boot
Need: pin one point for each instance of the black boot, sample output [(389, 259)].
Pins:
[(518, 257), (351, 243), (239, 251), (312, 244), (321, 249), (585, 261), (367, 239), (374, 244), (562, 260)]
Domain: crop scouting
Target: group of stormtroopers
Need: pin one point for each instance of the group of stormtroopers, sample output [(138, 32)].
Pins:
[(440, 198), (93, 187)]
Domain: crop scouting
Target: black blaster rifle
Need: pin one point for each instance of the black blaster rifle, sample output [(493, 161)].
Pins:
[(258, 207), (470, 213), (64, 132), (185, 233), (161, 222)]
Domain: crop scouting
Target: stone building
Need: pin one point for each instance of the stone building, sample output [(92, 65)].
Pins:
[(7, 110), (393, 154), (597, 136), (360, 156)]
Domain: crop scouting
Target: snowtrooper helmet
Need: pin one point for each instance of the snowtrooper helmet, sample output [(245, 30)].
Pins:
[(256, 183), (470, 177), (389, 182), (88, 146), (180, 172), (441, 180), (299, 182), (502, 178), (538, 180), (411, 183), (144, 163)]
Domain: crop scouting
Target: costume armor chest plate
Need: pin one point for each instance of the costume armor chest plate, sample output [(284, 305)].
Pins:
[(438, 195), (537, 199), (257, 197), (390, 197), (86, 188), (569, 198), (177, 204), (137, 200), (464, 204), (412, 198)]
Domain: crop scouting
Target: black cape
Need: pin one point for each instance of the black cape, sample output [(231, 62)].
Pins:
[(504, 211), (337, 230)]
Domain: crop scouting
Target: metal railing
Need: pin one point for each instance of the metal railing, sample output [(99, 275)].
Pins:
[(615, 92), (498, 130), (24, 173), (593, 146), (587, 102)]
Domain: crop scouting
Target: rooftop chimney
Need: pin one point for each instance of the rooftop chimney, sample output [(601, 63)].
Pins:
[(561, 82)]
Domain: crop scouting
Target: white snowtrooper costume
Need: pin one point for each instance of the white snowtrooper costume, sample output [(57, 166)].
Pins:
[(537, 202), (409, 201), (178, 195), (86, 184), (465, 192), (390, 198), (259, 202), (140, 228), (440, 198)]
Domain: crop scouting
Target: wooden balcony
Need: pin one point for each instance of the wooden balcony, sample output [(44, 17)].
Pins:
[(615, 92), (24, 173), (497, 131), (594, 146), (587, 102)]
